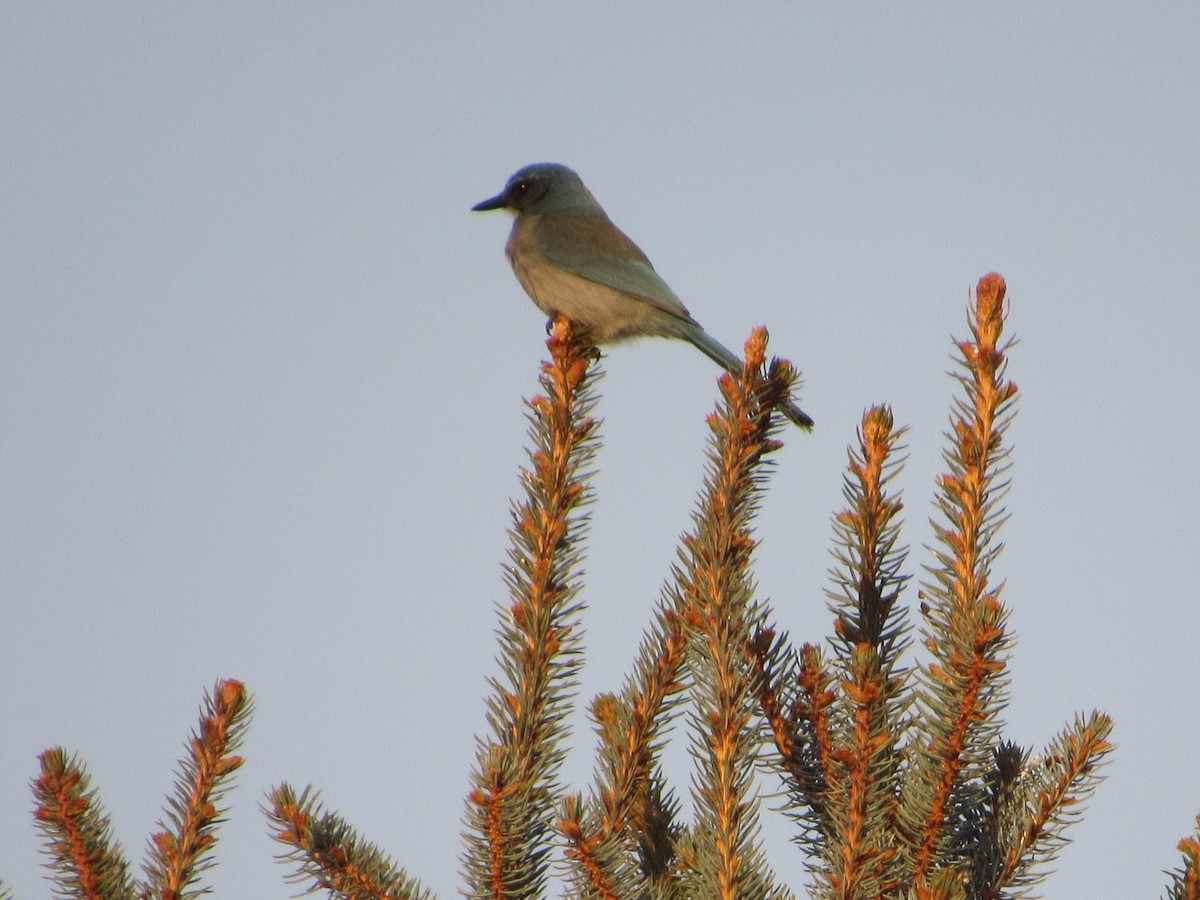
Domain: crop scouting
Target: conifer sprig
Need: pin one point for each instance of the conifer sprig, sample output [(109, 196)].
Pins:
[(715, 589), (627, 841), (84, 859), (510, 809), (963, 688), (792, 722), (183, 850), (329, 855), (631, 726), (870, 635), (1185, 881), (868, 578), (1026, 822), (836, 723), (626, 834)]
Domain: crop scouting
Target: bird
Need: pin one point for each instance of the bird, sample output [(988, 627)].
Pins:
[(572, 260)]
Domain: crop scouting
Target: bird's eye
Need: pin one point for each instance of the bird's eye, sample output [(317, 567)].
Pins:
[(520, 188)]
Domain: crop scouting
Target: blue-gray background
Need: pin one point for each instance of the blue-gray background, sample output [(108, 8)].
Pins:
[(261, 370)]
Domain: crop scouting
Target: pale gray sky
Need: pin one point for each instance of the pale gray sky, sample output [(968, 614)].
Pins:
[(261, 370)]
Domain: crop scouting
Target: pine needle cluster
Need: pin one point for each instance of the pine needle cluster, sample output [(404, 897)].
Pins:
[(84, 858)]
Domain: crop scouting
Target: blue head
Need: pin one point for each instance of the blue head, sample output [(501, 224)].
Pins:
[(544, 188)]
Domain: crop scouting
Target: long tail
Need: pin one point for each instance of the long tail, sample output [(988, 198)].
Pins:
[(717, 352)]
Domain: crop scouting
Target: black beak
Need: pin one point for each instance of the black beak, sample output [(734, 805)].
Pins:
[(497, 202)]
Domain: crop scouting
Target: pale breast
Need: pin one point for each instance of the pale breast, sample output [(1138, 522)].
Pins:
[(609, 314)]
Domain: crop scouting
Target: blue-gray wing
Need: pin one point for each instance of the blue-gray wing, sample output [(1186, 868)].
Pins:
[(592, 247)]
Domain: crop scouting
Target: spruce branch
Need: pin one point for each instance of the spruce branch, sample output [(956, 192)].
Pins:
[(836, 723), (812, 717), (962, 690), (626, 832), (868, 578), (870, 635), (329, 855), (510, 809), (182, 851), (1185, 881), (597, 866), (714, 587), (794, 723), (1044, 800), (631, 726), (84, 858)]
